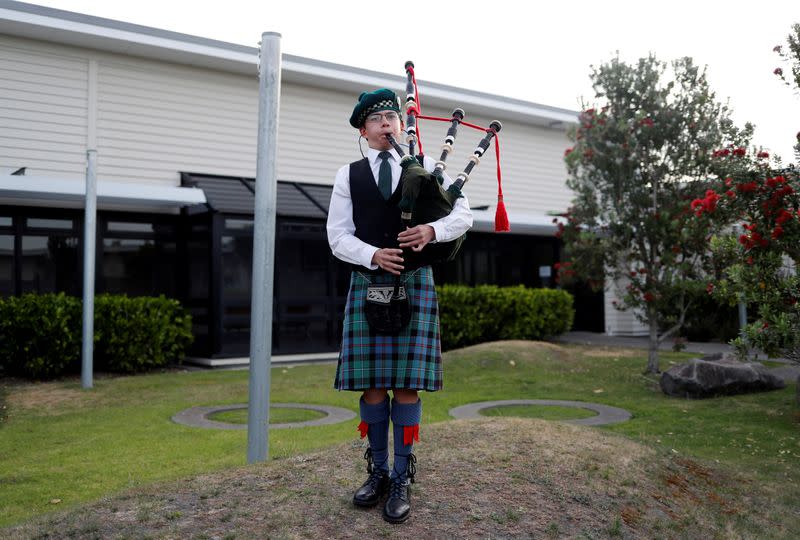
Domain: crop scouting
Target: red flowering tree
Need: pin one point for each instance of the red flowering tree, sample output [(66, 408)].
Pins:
[(641, 155), (763, 256)]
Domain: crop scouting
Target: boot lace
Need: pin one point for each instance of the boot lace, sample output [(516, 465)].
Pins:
[(397, 488)]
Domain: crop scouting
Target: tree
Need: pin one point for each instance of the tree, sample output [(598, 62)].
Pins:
[(790, 57), (641, 154), (763, 262)]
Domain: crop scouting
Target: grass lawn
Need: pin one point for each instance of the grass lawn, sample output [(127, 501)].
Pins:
[(277, 415), (61, 446)]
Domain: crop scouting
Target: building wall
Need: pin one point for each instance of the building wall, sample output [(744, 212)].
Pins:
[(150, 120), (43, 108), (620, 323)]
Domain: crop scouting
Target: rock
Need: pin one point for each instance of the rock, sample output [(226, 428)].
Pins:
[(716, 375)]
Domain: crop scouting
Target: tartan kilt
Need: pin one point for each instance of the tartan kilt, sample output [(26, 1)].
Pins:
[(410, 360)]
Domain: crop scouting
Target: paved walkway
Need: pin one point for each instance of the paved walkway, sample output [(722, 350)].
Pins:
[(789, 372), (638, 342), (605, 413)]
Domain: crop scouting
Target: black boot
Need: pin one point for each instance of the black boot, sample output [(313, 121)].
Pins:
[(398, 505), (375, 486)]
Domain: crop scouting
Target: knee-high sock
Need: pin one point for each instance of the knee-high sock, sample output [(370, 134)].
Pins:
[(405, 428), (375, 420)]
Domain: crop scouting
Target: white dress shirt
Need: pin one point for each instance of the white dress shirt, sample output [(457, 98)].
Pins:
[(341, 228)]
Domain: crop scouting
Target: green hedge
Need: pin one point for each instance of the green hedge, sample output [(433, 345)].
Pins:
[(470, 315), (40, 335)]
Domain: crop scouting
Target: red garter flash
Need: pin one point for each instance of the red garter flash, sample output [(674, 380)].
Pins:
[(363, 427), (410, 434)]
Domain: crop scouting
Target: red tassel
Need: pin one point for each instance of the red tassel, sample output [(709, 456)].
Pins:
[(501, 216), (363, 427), (410, 434)]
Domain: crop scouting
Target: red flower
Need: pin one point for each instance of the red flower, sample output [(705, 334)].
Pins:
[(777, 232), (648, 122), (775, 182), (710, 288), (648, 297), (730, 194), (783, 216), (750, 186), (633, 273), (749, 260), (763, 154), (739, 151), (568, 151), (778, 72), (728, 181)]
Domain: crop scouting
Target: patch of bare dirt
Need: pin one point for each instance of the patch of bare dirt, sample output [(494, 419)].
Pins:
[(498, 478), (607, 352), (48, 398), (519, 347)]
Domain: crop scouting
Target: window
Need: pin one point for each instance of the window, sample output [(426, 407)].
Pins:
[(50, 264), (6, 264), (61, 224), (139, 258)]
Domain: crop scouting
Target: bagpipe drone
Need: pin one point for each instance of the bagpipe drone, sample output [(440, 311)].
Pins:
[(424, 198)]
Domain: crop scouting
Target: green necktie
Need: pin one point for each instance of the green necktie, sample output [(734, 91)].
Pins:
[(385, 176)]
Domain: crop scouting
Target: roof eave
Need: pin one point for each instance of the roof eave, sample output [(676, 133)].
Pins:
[(47, 24)]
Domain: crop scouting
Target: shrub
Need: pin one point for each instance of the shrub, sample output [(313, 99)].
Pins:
[(140, 333), (470, 315), (40, 335)]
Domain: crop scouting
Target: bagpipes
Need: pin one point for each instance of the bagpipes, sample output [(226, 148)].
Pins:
[(424, 198)]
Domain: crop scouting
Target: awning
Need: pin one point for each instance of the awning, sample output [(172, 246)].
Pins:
[(528, 224), (116, 193), (236, 195)]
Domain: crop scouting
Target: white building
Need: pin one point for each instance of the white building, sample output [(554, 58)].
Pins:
[(173, 118)]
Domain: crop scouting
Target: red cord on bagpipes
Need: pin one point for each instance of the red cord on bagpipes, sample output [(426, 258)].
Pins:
[(501, 223)]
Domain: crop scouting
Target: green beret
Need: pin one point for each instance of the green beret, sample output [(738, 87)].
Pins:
[(382, 99)]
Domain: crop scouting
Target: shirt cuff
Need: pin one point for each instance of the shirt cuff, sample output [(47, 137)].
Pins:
[(366, 260), (438, 232)]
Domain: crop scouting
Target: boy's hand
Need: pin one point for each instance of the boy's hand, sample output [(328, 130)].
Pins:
[(390, 259), (416, 237)]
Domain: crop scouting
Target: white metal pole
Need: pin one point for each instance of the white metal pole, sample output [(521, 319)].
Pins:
[(269, 87), (89, 234)]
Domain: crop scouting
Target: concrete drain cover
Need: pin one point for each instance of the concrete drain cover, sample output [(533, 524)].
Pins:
[(605, 413), (198, 416)]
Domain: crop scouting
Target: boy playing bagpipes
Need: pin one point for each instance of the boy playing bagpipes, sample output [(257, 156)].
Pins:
[(365, 229)]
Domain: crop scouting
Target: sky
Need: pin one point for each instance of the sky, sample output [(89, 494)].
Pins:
[(536, 51)]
